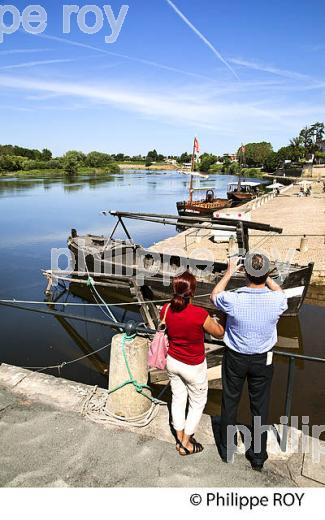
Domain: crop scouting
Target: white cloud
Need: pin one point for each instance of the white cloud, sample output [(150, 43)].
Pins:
[(209, 110)]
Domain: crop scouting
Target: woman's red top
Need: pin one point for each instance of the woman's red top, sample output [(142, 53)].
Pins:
[(186, 334)]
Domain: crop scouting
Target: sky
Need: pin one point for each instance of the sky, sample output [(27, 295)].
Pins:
[(226, 71)]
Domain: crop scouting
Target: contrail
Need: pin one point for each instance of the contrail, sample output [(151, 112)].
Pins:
[(35, 63), (202, 37), (125, 56)]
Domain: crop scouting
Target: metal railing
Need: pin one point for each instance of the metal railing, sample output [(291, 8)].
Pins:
[(290, 387), (131, 327)]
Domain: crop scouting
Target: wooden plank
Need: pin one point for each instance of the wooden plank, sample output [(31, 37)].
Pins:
[(148, 311), (213, 361)]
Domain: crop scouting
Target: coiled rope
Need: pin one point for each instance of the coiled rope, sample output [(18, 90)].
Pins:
[(96, 407)]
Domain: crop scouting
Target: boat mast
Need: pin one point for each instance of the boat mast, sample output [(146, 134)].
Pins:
[(241, 164), (192, 170)]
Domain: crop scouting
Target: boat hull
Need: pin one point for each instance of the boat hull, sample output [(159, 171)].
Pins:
[(201, 208), (118, 261), (240, 198)]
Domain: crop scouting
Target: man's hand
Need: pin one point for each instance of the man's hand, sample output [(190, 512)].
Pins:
[(233, 266), (221, 286), (272, 285)]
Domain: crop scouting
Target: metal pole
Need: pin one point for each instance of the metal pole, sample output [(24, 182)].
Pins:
[(224, 221), (191, 176), (163, 390), (288, 402), (108, 323)]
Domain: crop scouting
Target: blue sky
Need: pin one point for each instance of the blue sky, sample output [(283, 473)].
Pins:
[(243, 71)]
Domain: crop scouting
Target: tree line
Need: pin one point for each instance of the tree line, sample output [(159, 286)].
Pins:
[(16, 158), (250, 157), (305, 146)]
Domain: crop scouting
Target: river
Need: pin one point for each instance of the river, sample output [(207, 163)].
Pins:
[(37, 214)]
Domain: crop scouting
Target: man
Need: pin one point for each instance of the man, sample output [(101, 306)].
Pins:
[(252, 315)]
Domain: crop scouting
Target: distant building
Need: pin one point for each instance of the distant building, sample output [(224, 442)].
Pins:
[(232, 156), (171, 161)]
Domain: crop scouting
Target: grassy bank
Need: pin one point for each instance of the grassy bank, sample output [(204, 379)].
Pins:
[(153, 167), (244, 172), (86, 170), (56, 172)]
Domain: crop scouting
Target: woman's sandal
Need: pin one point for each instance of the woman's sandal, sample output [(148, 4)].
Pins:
[(179, 444), (197, 448)]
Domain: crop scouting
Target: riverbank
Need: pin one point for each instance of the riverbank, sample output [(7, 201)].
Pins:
[(298, 216), (46, 442), (153, 167), (60, 173)]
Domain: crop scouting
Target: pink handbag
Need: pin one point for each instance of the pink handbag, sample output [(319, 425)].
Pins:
[(159, 346)]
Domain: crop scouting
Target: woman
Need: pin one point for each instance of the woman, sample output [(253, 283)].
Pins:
[(186, 362)]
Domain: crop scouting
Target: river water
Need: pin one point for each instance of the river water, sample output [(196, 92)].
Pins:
[(37, 214)]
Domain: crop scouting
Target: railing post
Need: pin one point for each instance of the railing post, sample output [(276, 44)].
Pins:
[(288, 402)]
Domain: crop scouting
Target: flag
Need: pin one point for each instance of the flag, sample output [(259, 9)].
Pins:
[(196, 146)]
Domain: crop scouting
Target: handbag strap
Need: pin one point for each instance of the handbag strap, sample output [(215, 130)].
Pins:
[(164, 318)]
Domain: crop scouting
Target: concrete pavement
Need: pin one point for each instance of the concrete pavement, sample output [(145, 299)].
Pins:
[(41, 446)]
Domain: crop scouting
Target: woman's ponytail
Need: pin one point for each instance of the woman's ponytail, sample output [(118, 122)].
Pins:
[(179, 303), (184, 288)]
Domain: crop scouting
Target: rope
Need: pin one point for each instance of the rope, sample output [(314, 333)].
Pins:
[(138, 386), (65, 363), (95, 408), (91, 284), (68, 304)]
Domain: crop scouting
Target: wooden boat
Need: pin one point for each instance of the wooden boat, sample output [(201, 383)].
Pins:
[(203, 207), (241, 192), (122, 261)]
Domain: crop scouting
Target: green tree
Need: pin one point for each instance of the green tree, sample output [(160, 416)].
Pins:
[(184, 158), (206, 161), (226, 163), (309, 139), (153, 156), (256, 153), (119, 157), (319, 131), (290, 153), (72, 161), (234, 168), (319, 156), (46, 155), (272, 162), (113, 167), (10, 163), (97, 159)]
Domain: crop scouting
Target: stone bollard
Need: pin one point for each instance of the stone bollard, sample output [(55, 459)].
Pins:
[(127, 402), (303, 244)]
